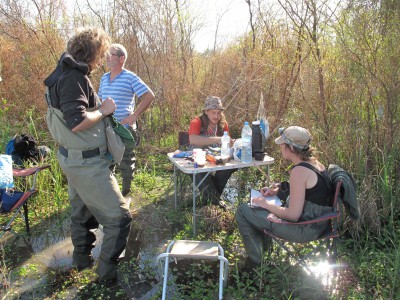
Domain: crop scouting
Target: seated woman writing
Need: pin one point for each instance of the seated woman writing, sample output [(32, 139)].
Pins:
[(310, 196), (206, 130)]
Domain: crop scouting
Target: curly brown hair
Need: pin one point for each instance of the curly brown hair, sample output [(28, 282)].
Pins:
[(89, 45)]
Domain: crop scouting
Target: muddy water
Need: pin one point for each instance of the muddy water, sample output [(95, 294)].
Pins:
[(52, 252), (150, 233)]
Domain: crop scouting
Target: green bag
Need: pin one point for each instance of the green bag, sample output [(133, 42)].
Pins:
[(115, 144), (123, 132)]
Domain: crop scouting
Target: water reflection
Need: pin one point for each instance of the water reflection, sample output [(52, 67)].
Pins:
[(52, 252), (326, 274), (56, 252)]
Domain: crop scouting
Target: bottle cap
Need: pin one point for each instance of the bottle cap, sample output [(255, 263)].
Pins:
[(246, 123), (225, 132)]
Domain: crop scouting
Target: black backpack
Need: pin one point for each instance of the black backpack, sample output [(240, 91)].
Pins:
[(25, 147)]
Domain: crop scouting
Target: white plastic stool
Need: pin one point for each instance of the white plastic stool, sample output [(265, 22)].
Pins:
[(195, 250)]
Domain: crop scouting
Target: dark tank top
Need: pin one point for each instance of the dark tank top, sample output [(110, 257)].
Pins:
[(321, 193)]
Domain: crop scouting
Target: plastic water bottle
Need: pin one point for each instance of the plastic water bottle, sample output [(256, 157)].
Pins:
[(225, 144), (246, 143)]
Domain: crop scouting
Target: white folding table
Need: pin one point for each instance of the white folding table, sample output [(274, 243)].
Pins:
[(186, 166)]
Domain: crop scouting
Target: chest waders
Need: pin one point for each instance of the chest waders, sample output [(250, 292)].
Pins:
[(93, 137), (94, 194)]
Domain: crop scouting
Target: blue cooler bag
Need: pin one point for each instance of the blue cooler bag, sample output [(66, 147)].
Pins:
[(8, 198)]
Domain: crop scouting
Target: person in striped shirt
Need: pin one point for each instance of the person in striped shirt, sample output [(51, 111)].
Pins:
[(123, 86)]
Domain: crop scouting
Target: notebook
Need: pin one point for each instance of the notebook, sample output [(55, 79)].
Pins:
[(254, 194)]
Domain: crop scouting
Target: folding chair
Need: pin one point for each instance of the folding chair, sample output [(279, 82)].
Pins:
[(316, 246), (23, 201), (195, 250), (183, 140)]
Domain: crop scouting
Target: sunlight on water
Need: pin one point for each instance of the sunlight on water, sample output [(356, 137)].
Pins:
[(322, 269), (55, 251), (326, 273)]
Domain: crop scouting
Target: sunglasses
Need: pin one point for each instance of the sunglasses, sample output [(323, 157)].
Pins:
[(290, 142)]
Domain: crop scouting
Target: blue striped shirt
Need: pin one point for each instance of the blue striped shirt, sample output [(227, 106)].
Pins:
[(122, 89)]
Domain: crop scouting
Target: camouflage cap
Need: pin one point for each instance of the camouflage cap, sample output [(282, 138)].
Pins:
[(213, 102)]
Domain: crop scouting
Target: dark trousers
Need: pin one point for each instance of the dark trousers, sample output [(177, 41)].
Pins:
[(251, 224), (127, 166), (213, 186)]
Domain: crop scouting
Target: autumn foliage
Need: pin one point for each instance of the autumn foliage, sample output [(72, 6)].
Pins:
[(332, 69)]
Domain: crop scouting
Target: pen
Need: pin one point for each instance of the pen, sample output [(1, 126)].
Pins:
[(272, 187)]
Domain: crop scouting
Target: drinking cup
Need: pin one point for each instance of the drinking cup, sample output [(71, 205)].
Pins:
[(200, 158), (195, 151)]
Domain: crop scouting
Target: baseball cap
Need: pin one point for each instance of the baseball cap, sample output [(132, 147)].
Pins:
[(296, 136), (213, 102)]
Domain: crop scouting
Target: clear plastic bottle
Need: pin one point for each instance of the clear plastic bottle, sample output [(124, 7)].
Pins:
[(225, 144), (246, 143)]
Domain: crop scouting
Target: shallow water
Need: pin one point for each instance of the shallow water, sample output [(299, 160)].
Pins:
[(52, 252), (150, 233)]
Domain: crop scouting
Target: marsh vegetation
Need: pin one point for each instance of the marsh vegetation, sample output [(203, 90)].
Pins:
[(331, 68)]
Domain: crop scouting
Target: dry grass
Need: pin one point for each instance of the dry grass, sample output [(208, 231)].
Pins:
[(215, 220)]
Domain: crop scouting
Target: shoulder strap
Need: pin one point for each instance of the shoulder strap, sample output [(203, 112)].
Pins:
[(311, 167)]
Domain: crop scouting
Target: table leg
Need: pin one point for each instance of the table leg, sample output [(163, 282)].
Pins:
[(194, 205), (194, 188), (175, 187), (240, 186)]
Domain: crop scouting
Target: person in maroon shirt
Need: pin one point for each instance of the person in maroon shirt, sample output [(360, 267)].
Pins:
[(206, 130)]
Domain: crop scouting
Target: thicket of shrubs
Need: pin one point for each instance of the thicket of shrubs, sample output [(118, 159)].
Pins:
[(331, 69)]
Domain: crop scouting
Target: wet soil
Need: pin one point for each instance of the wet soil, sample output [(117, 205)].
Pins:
[(44, 262)]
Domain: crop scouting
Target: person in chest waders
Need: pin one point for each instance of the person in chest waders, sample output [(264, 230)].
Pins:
[(76, 121)]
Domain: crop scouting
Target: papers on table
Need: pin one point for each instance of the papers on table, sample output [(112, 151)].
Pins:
[(272, 199)]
